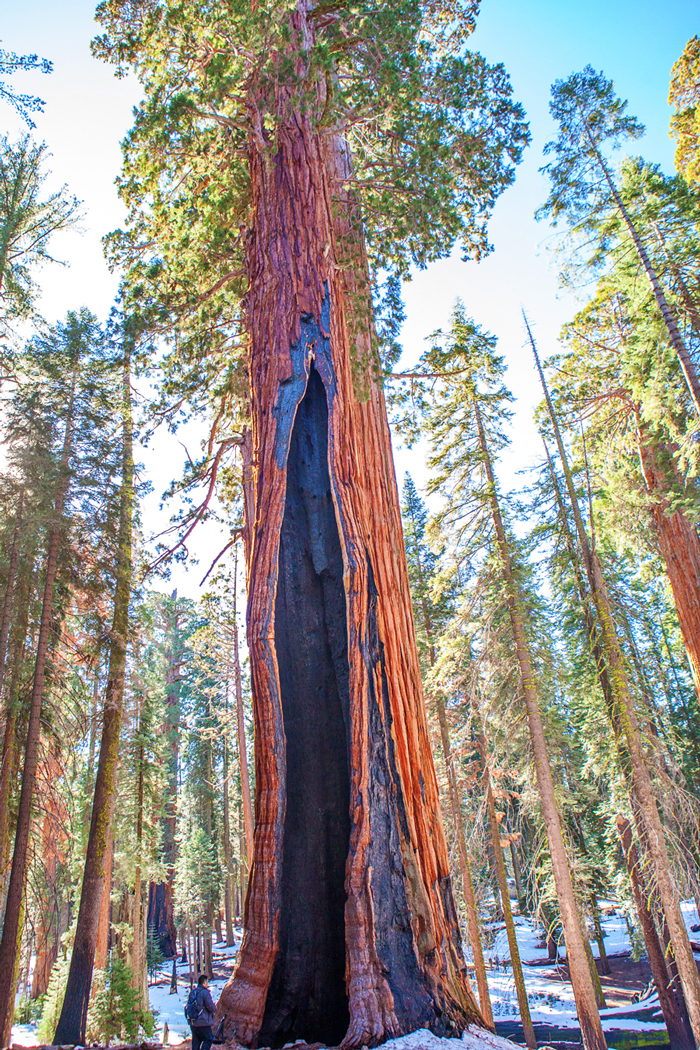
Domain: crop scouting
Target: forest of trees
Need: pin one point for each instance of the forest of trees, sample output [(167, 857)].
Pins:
[(391, 703)]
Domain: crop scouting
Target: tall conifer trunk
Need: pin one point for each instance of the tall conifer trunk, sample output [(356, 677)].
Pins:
[(350, 928), (680, 549), (71, 1024), (240, 723), (10, 588), (657, 962), (644, 800), (12, 928), (581, 979)]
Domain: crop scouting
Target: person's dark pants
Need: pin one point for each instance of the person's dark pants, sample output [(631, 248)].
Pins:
[(202, 1037)]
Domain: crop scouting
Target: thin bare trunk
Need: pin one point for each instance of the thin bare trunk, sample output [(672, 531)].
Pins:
[(657, 962), (518, 979), (626, 715), (684, 358), (584, 992)]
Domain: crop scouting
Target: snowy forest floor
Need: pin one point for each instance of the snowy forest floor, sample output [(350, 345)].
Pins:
[(549, 991)]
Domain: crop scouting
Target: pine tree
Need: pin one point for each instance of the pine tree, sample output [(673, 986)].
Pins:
[(71, 1026), (590, 117), (684, 96), (464, 403)]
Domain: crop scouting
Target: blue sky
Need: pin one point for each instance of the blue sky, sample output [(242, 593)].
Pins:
[(88, 111)]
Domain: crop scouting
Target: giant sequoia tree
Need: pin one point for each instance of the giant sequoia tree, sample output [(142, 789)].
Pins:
[(286, 153)]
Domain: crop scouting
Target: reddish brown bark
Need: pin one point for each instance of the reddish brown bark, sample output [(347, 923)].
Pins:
[(657, 962), (680, 549), (11, 933), (399, 943), (10, 588), (71, 1023), (102, 942), (53, 837)]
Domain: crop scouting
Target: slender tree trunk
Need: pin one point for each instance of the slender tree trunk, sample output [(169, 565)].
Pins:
[(657, 962), (581, 980), (680, 549), (71, 1025), (600, 939), (52, 853), (227, 842), (626, 714), (456, 811), (240, 722), (675, 337), (136, 956), (18, 643), (103, 921), (6, 616), (342, 746), (518, 979), (11, 933)]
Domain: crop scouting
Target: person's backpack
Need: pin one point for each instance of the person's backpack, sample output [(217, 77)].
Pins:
[(192, 1007)]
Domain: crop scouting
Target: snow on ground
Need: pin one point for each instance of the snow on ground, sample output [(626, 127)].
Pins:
[(551, 1001), (473, 1039), (169, 1007)]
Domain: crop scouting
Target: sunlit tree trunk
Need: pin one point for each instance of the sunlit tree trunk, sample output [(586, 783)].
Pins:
[(581, 980), (680, 549), (495, 831), (351, 932), (657, 962), (240, 722), (71, 1025), (11, 933), (626, 719)]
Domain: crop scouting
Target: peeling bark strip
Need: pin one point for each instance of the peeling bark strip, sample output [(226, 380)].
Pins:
[(399, 943)]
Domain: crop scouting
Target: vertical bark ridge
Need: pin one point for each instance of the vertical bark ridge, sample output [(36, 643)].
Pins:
[(403, 958)]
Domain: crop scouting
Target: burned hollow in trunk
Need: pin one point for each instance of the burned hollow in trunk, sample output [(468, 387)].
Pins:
[(307, 997)]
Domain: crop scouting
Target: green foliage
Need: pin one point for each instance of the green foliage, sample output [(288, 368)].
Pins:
[(154, 956), (53, 1000), (28, 220), (684, 96), (115, 1009), (24, 104), (591, 118)]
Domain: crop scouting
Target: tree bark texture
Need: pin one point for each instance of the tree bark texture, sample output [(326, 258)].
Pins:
[(581, 979), (11, 933), (71, 1024), (657, 962), (518, 979), (680, 549), (349, 906), (674, 335), (10, 588), (633, 758), (240, 724)]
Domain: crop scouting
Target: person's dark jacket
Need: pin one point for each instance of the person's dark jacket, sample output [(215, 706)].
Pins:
[(206, 1006)]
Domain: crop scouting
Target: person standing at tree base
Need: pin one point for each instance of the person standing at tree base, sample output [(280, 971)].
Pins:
[(200, 1012)]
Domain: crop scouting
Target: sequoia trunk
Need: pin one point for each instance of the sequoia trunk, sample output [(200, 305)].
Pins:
[(345, 785), (581, 979)]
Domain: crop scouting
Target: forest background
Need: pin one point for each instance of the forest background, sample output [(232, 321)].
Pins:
[(87, 111)]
